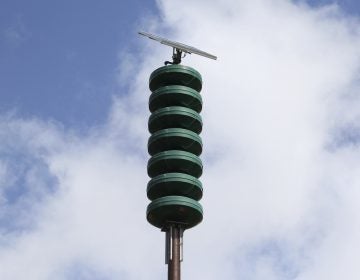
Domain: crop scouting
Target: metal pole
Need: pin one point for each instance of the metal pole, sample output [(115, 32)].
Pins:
[(175, 258)]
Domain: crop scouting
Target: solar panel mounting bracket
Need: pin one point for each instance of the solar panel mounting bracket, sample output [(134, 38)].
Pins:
[(176, 57)]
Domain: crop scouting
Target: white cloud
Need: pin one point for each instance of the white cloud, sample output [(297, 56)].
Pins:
[(280, 187), (16, 32)]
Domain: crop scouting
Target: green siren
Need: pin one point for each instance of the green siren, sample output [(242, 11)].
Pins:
[(175, 146)]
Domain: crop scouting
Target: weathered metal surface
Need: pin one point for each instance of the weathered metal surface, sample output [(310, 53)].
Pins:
[(175, 75), (175, 117), (179, 184), (175, 139), (175, 96), (170, 209), (175, 257), (174, 161)]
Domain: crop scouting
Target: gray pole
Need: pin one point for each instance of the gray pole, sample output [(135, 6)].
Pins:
[(175, 258)]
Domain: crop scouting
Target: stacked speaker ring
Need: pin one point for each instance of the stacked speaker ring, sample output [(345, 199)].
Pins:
[(175, 147)]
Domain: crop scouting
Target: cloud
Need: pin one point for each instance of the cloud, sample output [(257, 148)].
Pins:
[(281, 158), (16, 32)]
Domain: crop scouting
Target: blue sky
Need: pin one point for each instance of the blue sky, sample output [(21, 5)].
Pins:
[(349, 6), (281, 132), (59, 59)]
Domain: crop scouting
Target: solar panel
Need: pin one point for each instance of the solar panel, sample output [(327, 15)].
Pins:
[(179, 47)]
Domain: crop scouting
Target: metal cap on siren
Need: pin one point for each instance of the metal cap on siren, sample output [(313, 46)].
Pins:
[(175, 123)]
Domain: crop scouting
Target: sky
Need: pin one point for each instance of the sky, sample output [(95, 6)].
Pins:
[(281, 139)]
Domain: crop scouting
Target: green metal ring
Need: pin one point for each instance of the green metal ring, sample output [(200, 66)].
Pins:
[(175, 96), (175, 75), (175, 117), (179, 184), (169, 209), (174, 161), (175, 139)]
